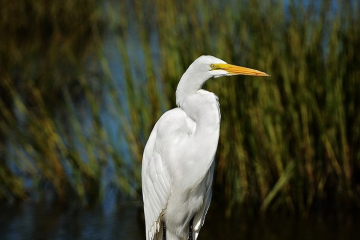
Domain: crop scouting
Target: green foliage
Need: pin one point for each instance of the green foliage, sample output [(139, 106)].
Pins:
[(289, 142), (52, 141)]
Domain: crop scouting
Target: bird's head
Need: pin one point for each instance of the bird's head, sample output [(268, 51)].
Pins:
[(204, 68), (215, 67)]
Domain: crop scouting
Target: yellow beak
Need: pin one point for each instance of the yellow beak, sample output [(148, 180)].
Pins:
[(237, 70)]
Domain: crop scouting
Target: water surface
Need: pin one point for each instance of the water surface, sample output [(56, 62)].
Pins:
[(125, 221)]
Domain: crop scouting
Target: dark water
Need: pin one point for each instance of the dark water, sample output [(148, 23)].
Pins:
[(29, 221)]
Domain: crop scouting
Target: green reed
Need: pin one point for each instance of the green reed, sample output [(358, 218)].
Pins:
[(289, 142), (53, 143)]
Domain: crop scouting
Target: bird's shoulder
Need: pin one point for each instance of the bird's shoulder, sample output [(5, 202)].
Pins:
[(172, 126), (175, 120)]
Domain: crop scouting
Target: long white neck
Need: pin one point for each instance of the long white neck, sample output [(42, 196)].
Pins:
[(200, 105), (190, 82), (203, 108)]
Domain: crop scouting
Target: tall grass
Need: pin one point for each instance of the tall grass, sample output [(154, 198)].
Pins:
[(289, 142), (53, 143)]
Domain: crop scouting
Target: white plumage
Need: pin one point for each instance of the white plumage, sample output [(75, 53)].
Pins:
[(178, 160)]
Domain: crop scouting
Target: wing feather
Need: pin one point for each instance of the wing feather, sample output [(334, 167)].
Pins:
[(199, 217), (156, 181), (156, 188)]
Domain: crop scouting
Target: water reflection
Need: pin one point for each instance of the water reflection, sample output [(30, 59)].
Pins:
[(38, 222), (125, 222)]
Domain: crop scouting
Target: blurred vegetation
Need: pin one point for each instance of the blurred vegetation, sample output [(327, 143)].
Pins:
[(288, 143)]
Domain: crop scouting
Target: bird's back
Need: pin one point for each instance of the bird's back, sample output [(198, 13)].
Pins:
[(166, 190)]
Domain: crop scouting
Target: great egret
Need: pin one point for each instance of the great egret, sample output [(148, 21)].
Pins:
[(178, 160)]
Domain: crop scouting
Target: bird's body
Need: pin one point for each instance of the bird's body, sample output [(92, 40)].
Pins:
[(178, 160), (190, 189)]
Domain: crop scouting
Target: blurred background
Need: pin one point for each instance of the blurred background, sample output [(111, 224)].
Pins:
[(82, 83)]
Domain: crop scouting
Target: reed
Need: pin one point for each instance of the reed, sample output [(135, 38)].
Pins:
[(289, 142)]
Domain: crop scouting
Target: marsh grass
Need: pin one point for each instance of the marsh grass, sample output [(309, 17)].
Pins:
[(289, 142)]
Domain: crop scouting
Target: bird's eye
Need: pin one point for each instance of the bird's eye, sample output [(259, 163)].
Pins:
[(212, 66)]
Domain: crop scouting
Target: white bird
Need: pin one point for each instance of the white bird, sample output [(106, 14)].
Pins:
[(178, 160)]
